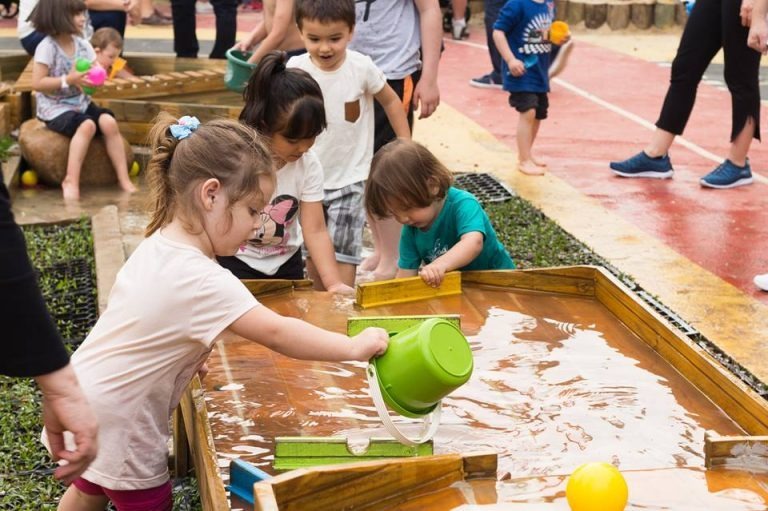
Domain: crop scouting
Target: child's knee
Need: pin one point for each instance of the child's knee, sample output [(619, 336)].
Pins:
[(108, 124), (87, 127)]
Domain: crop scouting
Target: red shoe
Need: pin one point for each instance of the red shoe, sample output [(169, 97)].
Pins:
[(254, 5)]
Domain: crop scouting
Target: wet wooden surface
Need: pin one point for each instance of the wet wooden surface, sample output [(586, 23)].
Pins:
[(558, 381)]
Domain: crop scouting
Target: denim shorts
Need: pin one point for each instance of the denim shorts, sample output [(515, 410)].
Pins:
[(524, 101), (345, 217)]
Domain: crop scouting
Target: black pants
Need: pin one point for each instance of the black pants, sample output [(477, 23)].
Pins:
[(184, 24), (713, 24), (292, 269), (492, 8), (383, 132)]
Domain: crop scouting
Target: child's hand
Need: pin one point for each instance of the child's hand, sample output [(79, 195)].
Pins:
[(369, 343), (341, 288), (244, 45), (516, 67), (77, 79), (432, 274)]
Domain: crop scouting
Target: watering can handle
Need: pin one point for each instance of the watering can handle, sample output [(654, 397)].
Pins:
[(431, 421)]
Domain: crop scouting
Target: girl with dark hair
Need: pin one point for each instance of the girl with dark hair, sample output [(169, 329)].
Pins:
[(286, 106), (61, 102)]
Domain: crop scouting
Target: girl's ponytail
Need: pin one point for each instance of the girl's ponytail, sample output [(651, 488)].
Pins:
[(280, 99), (163, 145)]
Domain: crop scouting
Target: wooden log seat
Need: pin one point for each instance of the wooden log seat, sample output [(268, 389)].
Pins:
[(618, 15), (641, 14), (595, 14), (664, 13), (46, 152)]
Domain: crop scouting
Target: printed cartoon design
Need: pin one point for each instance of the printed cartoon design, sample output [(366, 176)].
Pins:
[(278, 214), (536, 35), (439, 248)]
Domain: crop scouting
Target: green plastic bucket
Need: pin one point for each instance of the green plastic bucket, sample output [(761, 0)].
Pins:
[(238, 69), (423, 364)]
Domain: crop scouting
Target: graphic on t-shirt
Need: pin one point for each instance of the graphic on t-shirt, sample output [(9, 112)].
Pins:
[(367, 7), (438, 249), (535, 36), (274, 218)]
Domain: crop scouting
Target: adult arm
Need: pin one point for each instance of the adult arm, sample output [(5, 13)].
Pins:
[(426, 95), (393, 107), (65, 408), (281, 23), (256, 35), (320, 246)]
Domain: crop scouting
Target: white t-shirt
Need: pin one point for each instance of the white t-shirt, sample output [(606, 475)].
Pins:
[(280, 235), (52, 104), (345, 148), (168, 306)]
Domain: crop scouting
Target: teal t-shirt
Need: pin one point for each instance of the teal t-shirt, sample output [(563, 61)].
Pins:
[(461, 214)]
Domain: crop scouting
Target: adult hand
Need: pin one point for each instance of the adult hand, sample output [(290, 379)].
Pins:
[(746, 12), (426, 97), (758, 35), (65, 408)]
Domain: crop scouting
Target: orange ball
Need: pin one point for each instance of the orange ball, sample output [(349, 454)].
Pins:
[(558, 32), (597, 487)]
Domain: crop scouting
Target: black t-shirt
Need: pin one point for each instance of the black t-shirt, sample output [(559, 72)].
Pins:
[(29, 341)]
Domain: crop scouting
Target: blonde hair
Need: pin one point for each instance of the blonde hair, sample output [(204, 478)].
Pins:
[(221, 149), (105, 36), (404, 175)]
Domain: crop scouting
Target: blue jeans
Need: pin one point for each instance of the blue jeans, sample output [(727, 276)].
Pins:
[(113, 19), (492, 8), (30, 42)]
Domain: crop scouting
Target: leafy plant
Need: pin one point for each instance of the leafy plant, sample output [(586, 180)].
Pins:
[(5, 147)]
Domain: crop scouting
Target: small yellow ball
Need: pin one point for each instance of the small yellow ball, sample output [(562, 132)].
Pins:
[(597, 487), (135, 169), (29, 178)]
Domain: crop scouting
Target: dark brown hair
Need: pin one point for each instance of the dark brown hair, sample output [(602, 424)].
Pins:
[(56, 17), (404, 175), (326, 11), (223, 149), (283, 100), (105, 36)]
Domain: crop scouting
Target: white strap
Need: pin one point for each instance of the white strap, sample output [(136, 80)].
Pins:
[(431, 420)]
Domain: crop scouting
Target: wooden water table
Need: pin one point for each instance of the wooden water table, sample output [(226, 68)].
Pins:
[(161, 83), (570, 367)]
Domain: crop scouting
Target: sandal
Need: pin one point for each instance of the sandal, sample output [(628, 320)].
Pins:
[(154, 19), (12, 12)]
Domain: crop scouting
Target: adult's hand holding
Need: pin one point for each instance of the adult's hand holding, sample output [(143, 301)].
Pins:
[(426, 97), (758, 34), (65, 408)]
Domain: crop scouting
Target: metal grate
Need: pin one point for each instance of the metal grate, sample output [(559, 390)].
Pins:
[(485, 187)]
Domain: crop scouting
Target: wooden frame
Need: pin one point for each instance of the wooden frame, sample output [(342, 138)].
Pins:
[(736, 399)]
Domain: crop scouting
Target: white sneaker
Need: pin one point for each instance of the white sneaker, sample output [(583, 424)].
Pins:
[(459, 29), (761, 281)]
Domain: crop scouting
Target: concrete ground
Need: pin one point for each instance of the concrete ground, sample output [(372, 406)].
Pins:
[(694, 249)]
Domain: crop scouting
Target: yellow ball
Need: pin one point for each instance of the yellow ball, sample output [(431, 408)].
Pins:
[(29, 178), (597, 487), (135, 169)]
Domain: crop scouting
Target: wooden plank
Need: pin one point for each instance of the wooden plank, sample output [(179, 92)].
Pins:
[(5, 119), (260, 287), (395, 324), (148, 64), (180, 445), (741, 403), (374, 294), (748, 453), (374, 484), (305, 452), (195, 417), (11, 66), (573, 280), (24, 82), (481, 465)]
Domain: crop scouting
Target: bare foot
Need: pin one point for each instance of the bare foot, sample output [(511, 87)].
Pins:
[(536, 161), (528, 167), (70, 191), (369, 263), (128, 187)]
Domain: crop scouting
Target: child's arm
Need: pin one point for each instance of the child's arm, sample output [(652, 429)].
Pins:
[(401, 273), (516, 67), (41, 82), (460, 255), (299, 339), (426, 95), (281, 22), (320, 246), (393, 107)]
